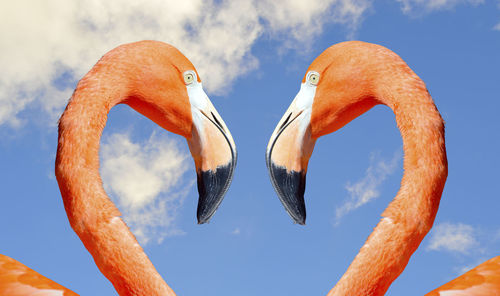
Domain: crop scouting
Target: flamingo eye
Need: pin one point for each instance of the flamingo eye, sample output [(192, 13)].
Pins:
[(188, 77), (313, 78)]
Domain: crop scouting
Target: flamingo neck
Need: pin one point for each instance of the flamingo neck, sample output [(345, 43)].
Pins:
[(410, 215), (91, 213)]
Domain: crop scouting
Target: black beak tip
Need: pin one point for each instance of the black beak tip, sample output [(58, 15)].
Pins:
[(212, 186), (300, 220), (290, 186), (203, 219)]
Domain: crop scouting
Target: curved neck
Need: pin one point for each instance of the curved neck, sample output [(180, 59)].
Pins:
[(92, 215), (409, 217)]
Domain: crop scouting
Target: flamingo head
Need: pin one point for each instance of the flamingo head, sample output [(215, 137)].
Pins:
[(335, 89), (167, 89)]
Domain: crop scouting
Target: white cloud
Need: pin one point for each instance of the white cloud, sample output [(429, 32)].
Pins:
[(301, 21), (410, 6), (146, 181), (457, 238), (236, 231), (48, 45), (366, 189), (497, 27)]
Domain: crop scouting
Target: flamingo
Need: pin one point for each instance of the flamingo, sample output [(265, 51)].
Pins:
[(342, 83), (158, 81)]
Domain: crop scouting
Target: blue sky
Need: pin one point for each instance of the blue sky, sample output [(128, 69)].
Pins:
[(251, 56)]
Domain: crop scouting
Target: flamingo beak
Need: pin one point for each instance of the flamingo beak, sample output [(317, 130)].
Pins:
[(288, 153), (213, 151)]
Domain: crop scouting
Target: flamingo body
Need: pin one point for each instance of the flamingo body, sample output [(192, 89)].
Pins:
[(17, 279), (483, 280)]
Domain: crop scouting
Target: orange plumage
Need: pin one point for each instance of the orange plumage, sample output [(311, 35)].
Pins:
[(18, 280)]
